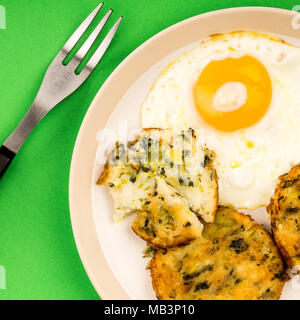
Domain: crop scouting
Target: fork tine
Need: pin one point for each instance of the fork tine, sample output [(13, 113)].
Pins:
[(102, 48), (91, 39), (69, 45)]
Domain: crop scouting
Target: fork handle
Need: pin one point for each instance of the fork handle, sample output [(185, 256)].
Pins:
[(6, 157), (15, 141)]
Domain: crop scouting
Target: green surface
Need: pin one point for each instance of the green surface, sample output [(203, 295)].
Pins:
[(37, 247)]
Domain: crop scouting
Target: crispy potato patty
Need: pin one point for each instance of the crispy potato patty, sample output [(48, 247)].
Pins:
[(285, 216), (167, 220), (235, 260)]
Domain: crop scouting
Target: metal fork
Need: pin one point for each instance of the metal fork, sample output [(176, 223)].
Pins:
[(59, 82)]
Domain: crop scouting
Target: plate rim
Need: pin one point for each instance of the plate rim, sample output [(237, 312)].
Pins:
[(86, 245)]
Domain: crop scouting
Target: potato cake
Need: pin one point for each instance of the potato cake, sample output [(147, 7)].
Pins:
[(235, 260), (176, 157), (285, 216), (167, 220)]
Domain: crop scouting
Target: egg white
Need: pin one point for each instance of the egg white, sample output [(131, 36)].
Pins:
[(248, 161)]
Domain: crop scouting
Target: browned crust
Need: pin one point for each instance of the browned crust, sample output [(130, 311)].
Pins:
[(103, 179), (169, 276), (157, 278), (247, 216), (284, 253), (162, 243), (150, 129), (274, 210), (262, 228)]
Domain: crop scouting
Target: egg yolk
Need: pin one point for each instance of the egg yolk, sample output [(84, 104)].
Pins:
[(233, 93)]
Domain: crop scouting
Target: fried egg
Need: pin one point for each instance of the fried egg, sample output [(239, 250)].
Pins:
[(241, 92)]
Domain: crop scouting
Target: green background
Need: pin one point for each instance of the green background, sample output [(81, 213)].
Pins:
[(37, 247)]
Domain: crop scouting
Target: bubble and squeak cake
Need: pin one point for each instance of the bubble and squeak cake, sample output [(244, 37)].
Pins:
[(177, 158), (166, 220), (236, 259), (285, 216)]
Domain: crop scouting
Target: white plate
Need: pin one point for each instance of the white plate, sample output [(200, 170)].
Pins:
[(117, 269)]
